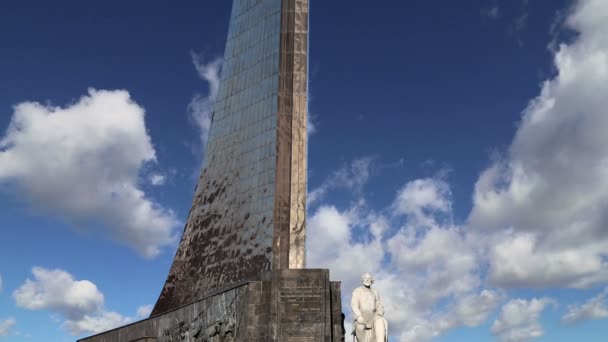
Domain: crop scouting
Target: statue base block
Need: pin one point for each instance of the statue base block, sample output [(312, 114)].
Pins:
[(283, 306)]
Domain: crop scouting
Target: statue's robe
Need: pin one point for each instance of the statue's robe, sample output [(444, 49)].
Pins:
[(365, 303)]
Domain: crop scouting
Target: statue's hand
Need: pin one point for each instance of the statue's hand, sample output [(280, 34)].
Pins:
[(360, 320)]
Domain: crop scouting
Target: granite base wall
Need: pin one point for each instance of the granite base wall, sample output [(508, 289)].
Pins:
[(284, 306)]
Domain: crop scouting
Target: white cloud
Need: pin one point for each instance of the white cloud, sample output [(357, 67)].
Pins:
[(201, 106), (58, 291), (471, 310), (538, 219), (157, 179), (430, 261), (6, 325), (422, 197), (519, 320), (96, 323), (551, 189), (82, 163), (594, 308), (79, 301), (144, 311)]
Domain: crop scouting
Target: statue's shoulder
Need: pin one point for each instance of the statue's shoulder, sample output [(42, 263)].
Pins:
[(358, 289)]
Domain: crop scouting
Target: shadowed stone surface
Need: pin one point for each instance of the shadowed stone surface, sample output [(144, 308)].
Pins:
[(285, 306), (248, 211)]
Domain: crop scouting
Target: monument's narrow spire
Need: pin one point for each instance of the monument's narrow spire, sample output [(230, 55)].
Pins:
[(249, 207)]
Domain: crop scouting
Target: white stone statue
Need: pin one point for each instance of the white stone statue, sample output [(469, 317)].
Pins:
[(370, 324)]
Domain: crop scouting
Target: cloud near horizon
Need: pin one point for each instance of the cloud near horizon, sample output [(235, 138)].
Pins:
[(79, 302), (82, 163), (431, 282)]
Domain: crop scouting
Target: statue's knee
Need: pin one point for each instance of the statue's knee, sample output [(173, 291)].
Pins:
[(380, 323)]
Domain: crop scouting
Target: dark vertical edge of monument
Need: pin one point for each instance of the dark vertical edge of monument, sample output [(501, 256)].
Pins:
[(328, 325), (337, 318), (284, 141)]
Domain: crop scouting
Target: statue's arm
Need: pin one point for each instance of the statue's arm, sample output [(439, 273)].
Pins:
[(379, 307), (354, 304)]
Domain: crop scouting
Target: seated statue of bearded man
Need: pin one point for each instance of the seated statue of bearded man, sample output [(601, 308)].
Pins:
[(370, 324)]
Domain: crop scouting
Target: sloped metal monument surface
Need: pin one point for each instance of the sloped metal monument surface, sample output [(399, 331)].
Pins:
[(248, 210), (238, 273)]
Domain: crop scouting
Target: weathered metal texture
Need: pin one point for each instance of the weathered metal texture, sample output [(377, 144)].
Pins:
[(248, 211)]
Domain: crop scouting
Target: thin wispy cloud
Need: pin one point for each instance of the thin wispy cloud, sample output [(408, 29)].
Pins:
[(201, 105), (6, 325), (352, 177), (594, 308)]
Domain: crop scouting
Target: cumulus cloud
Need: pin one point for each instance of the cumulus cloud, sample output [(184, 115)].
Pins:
[(425, 268), (58, 291), (201, 106), (519, 320), (82, 163), (79, 301), (421, 197), (6, 325), (538, 218), (550, 191), (594, 308)]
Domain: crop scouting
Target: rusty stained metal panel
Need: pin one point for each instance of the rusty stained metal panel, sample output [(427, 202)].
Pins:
[(248, 210)]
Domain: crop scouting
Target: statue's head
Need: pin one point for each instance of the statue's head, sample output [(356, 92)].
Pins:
[(367, 280)]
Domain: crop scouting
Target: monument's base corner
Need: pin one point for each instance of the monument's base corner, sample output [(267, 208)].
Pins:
[(284, 306)]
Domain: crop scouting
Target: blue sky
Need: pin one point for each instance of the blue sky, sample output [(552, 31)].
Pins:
[(456, 151)]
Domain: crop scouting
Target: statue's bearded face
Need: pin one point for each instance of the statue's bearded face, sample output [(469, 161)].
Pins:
[(367, 280)]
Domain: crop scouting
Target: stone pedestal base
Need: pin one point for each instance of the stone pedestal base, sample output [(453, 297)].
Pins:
[(284, 306)]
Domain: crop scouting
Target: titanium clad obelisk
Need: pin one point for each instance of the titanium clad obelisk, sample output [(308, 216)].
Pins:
[(248, 213), (238, 274)]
